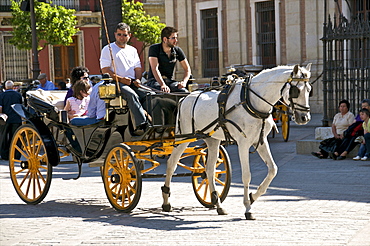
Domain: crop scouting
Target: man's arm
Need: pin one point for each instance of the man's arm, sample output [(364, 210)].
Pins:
[(123, 80), (154, 65), (1, 109), (138, 76), (187, 72)]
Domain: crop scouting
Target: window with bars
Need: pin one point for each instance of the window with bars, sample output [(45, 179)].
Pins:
[(362, 9), (210, 43), (15, 62), (266, 41)]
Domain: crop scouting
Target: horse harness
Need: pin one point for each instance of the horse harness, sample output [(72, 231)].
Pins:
[(246, 103)]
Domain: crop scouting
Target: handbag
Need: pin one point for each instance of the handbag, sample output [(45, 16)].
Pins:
[(330, 144), (354, 130)]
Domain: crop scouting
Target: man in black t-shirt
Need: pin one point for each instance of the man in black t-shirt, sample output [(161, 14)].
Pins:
[(162, 61), (8, 98)]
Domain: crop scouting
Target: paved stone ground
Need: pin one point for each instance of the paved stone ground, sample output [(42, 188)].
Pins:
[(310, 202)]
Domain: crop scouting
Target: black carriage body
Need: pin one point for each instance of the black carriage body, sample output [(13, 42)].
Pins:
[(86, 143), (45, 134)]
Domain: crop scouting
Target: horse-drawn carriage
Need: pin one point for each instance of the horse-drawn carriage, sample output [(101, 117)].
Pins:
[(46, 140), (239, 113)]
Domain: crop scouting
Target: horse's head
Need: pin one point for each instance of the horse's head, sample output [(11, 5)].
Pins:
[(297, 91)]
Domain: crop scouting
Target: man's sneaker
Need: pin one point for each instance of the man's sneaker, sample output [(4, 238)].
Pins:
[(364, 158), (357, 158)]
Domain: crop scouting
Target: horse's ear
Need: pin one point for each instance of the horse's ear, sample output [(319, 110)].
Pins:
[(295, 69), (308, 67)]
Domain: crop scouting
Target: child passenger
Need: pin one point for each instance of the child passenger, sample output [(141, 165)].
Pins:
[(76, 105), (363, 151)]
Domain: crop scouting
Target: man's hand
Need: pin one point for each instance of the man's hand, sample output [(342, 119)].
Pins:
[(165, 88), (137, 82), (125, 80), (182, 84)]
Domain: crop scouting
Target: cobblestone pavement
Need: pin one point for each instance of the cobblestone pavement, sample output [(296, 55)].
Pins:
[(310, 202)]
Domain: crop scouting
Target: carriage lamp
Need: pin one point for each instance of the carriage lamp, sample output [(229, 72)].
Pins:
[(107, 92)]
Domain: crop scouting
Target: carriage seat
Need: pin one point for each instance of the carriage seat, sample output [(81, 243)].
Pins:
[(47, 102)]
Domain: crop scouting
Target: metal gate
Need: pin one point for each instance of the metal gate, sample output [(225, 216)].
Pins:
[(346, 70)]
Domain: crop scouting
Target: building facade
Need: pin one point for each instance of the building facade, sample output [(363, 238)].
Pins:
[(56, 61), (217, 34)]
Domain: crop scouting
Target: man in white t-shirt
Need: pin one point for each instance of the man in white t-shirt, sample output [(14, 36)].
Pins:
[(127, 72)]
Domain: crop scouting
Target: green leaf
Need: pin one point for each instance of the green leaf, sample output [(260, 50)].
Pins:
[(55, 25)]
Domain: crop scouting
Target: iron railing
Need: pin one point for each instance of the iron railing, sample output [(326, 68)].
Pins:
[(346, 70)]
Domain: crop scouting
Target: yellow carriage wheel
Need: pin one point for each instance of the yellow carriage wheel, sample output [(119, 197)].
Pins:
[(122, 178), (200, 181), (285, 124), (30, 169)]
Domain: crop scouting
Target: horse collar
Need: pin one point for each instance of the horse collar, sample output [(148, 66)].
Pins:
[(244, 97)]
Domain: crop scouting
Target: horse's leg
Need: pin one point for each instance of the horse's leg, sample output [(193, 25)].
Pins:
[(213, 150), (265, 154), (246, 177), (171, 166)]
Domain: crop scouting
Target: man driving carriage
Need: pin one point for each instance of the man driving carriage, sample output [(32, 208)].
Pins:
[(127, 72)]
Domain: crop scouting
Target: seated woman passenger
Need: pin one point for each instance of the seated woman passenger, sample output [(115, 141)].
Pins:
[(76, 105)]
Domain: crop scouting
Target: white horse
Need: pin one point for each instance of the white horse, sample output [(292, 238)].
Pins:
[(198, 110)]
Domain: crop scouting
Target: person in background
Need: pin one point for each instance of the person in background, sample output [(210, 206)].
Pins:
[(366, 126), (62, 85), (162, 61), (352, 132), (68, 83), (45, 84), (8, 98), (363, 154), (77, 104), (364, 104), (341, 122)]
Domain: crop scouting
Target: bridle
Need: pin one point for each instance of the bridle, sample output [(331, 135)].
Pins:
[(294, 92)]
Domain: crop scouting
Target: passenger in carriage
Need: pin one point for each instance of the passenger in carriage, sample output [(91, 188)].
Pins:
[(128, 73), (162, 61), (77, 104), (77, 73), (95, 109)]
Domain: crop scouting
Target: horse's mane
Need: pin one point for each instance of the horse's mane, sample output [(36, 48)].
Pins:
[(270, 72)]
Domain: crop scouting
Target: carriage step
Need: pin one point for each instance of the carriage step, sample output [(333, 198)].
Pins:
[(162, 175)]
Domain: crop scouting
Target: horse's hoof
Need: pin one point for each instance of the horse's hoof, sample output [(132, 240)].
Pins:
[(251, 198), (249, 216), (221, 211), (167, 207)]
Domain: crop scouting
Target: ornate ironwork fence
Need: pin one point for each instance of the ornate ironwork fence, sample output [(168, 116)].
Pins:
[(346, 70)]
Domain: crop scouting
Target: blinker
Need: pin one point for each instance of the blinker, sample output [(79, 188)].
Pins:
[(294, 92)]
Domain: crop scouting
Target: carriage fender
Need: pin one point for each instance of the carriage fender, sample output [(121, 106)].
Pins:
[(46, 136)]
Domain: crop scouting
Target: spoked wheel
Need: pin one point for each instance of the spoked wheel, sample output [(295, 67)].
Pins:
[(285, 126), (122, 178), (222, 177), (30, 169)]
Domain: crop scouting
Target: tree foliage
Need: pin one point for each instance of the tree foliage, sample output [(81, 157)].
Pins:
[(144, 27), (55, 25)]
